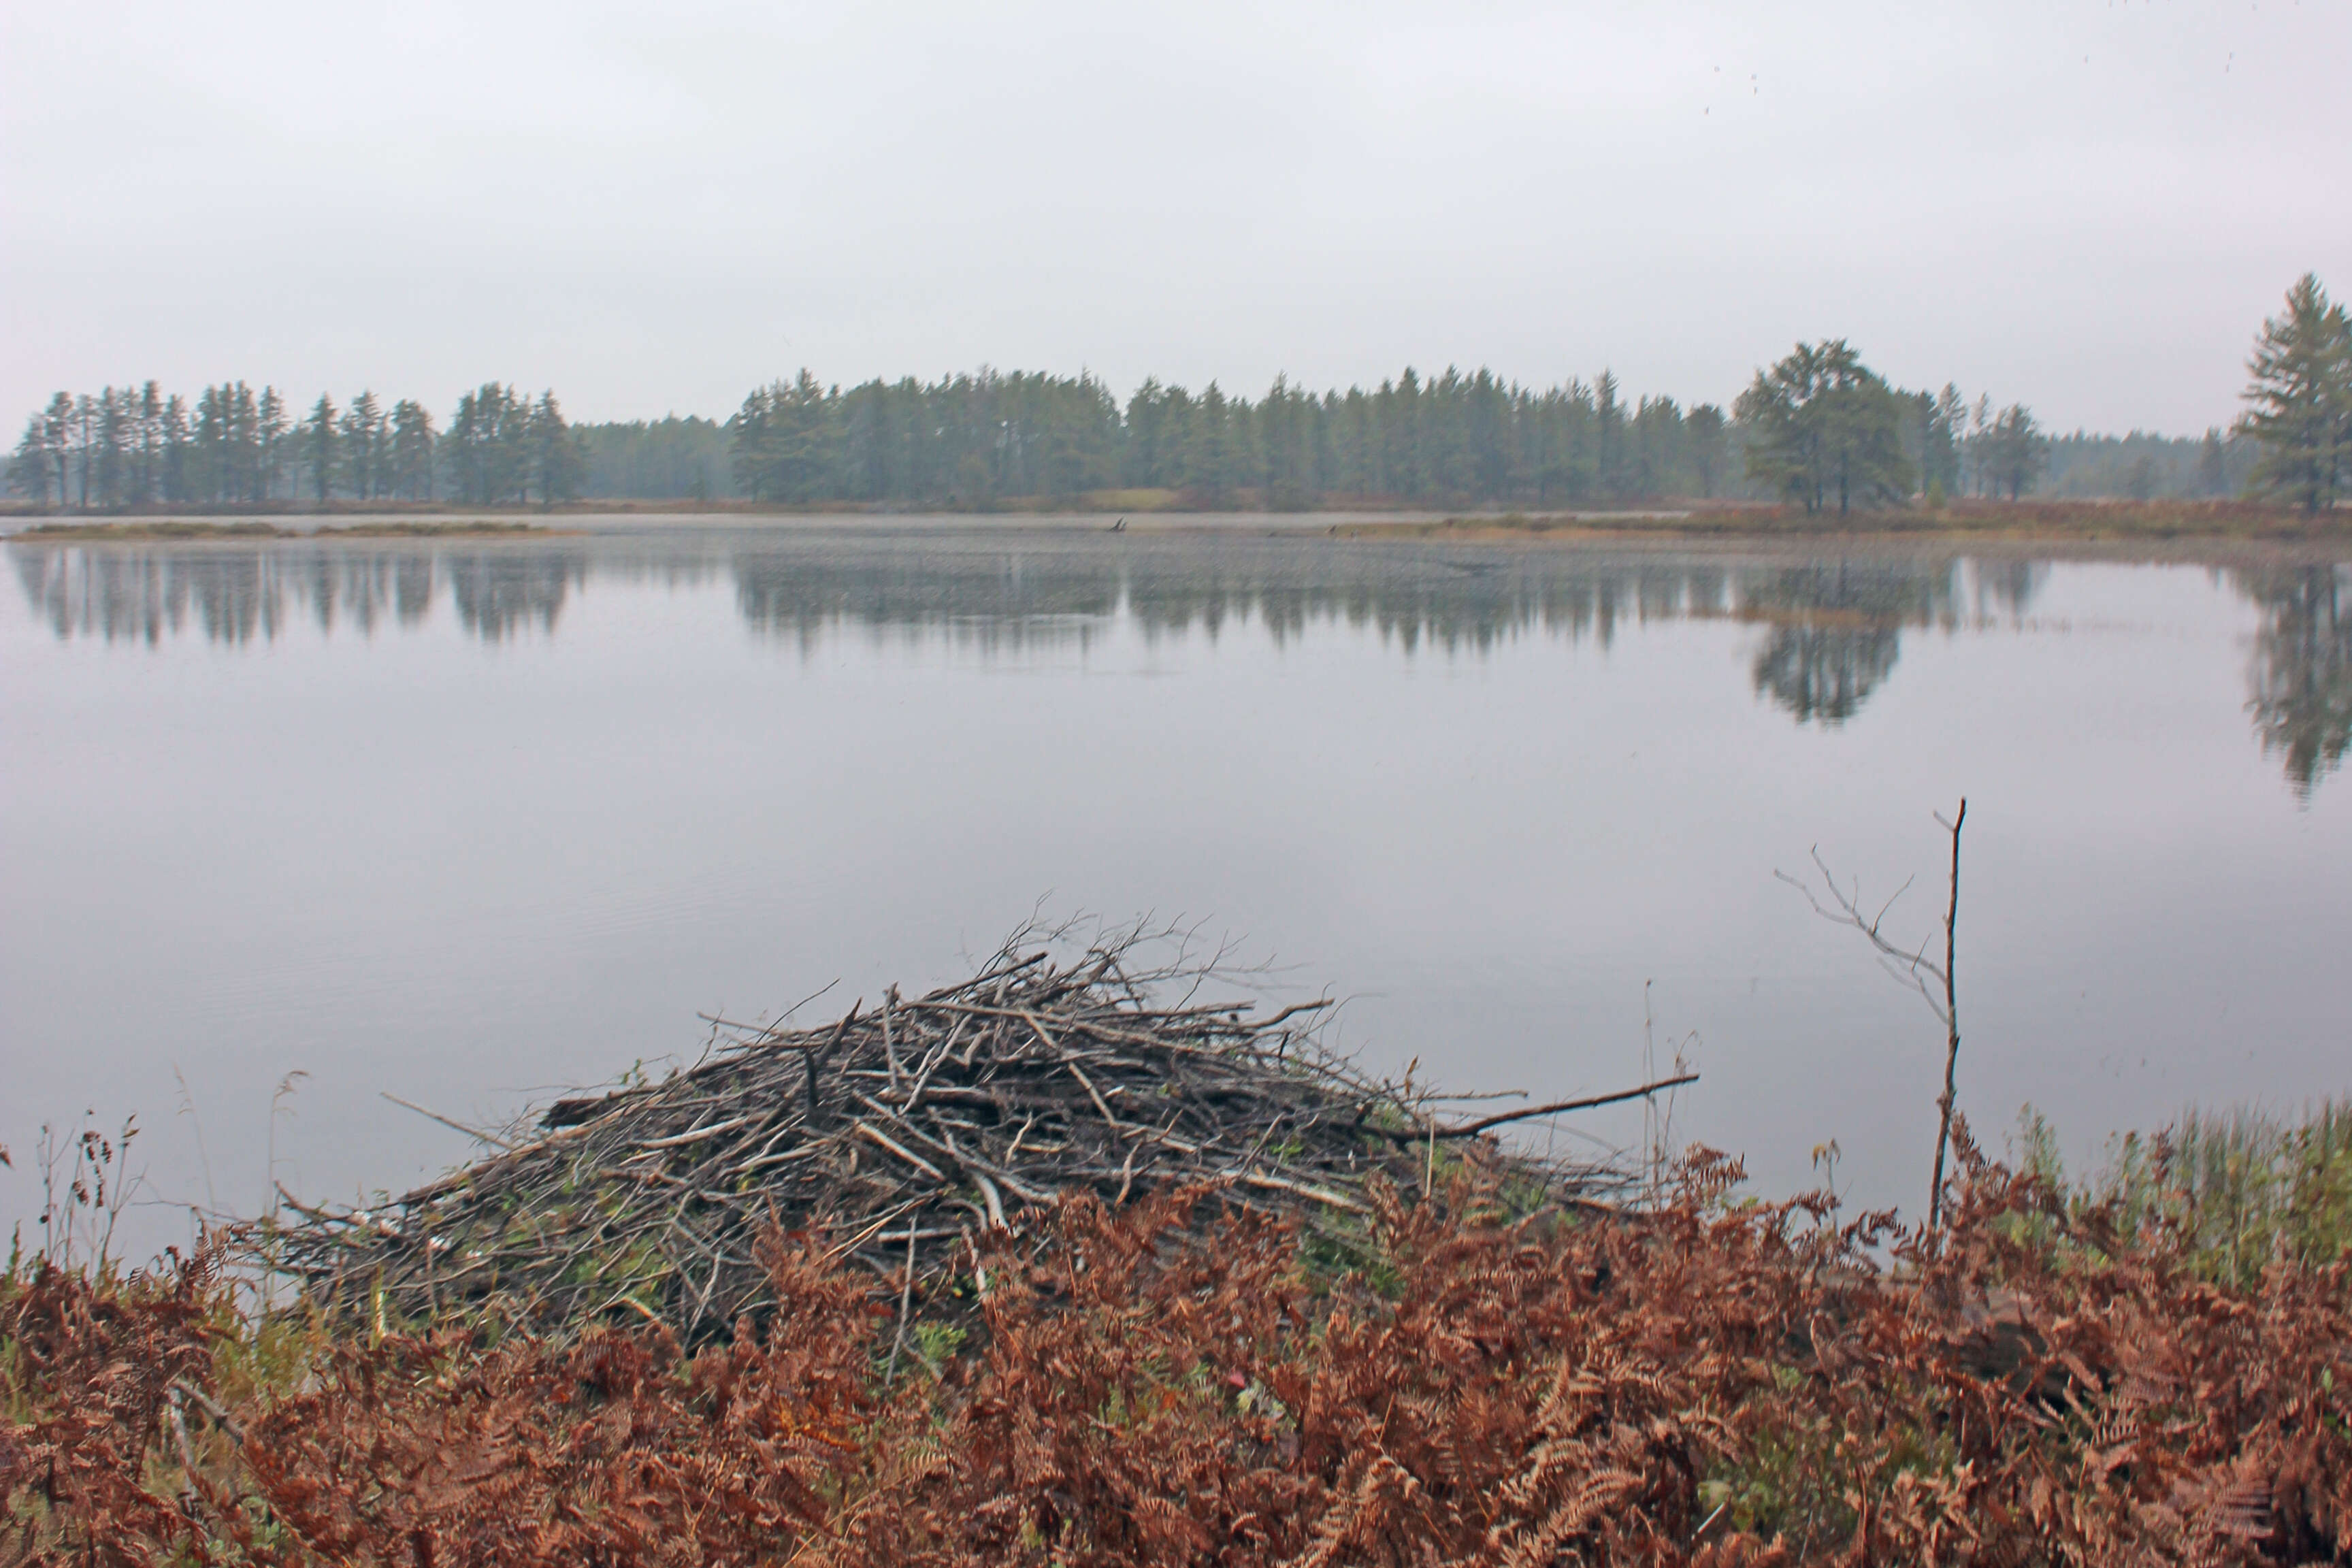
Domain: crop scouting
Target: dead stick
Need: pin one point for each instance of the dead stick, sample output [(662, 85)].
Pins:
[(490, 1138), (1473, 1129), (1261, 1025), (868, 1130), (812, 1060), (1092, 1093), (906, 1301), (1951, 1023)]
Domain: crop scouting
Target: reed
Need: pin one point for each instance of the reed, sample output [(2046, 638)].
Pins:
[(2240, 1187)]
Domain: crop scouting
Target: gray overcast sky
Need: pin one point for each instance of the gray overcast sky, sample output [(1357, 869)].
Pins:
[(2086, 206)]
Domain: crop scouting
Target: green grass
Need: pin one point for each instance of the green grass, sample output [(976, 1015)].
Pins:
[(2239, 1187), (2242, 1187)]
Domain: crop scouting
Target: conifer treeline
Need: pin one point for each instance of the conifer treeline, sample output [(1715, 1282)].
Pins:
[(977, 438), (127, 447), (1818, 430)]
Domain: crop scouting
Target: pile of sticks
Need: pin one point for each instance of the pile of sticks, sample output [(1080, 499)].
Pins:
[(905, 1131)]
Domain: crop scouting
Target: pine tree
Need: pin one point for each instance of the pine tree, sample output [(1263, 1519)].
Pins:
[(116, 415), (363, 440), (412, 450), (2300, 399), (1609, 436), (84, 446), (175, 444), (2015, 450), (2212, 477), (1822, 426), (269, 433), (33, 468), (318, 446), (150, 442), (557, 465), (1705, 431), (1939, 456)]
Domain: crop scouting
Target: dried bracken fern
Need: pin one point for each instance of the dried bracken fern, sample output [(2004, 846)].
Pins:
[(1178, 1381)]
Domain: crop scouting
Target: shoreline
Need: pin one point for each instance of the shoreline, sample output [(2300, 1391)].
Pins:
[(2077, 533)]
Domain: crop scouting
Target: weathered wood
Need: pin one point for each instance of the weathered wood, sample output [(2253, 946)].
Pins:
[(977, 1104)]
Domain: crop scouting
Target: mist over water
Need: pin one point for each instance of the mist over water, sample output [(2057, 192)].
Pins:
[(466, 822)]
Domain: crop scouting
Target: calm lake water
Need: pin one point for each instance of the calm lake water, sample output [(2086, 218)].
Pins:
[(468, 822)]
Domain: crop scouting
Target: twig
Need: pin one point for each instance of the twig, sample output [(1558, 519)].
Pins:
[(1026, 1082), (866, 1129), (1471, 1129), (906, 1304), (681, 1140), (474, 1132)]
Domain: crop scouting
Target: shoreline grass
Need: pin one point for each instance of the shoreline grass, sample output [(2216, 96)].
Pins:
[(1363, 517), (2005, 521)]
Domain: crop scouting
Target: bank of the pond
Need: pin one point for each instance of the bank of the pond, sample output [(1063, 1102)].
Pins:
[(1971, 523), (1175, 1380), (1666, 520)]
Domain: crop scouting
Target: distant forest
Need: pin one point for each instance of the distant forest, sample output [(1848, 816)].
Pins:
[(989, 438)]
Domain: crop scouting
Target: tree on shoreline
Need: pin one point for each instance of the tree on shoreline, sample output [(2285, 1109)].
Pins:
[(413, 439), (2300, 399), (1822, 425), (2015, 452), (555, 461), (987, 438), (318, 446)]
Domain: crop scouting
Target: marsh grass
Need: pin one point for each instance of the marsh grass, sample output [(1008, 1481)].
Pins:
[(2051, 521), (107, 533), (2238, 1188)]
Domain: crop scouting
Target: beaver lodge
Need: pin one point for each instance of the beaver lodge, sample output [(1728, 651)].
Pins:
[(905, 1131)]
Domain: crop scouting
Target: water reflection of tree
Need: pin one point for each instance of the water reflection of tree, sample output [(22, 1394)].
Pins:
[(1836, 625), (999, 595), (1826, 673), (2299, 684), (1835, 637), (139, 595), (2010, 584), (498, 592), (235, 595), (1837, 630)]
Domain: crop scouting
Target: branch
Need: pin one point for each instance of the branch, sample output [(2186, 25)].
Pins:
[(492, 1139), (1906, 966), (1471, 1129)]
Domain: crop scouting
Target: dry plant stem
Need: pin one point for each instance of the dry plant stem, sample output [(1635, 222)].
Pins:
[(1951, 1019), (980, 1104), (1914, 969)]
